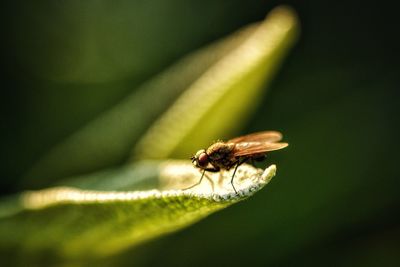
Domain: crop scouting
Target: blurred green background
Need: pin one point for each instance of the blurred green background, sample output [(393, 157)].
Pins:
[(335, 200)]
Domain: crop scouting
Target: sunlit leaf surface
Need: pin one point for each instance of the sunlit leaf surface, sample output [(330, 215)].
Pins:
[(83, 220)]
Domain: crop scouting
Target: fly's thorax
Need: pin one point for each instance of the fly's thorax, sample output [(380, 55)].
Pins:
[(220, 154), (220, 150)]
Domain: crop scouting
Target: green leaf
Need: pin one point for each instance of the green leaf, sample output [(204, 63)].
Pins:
[(82, 221), (216, 104), (222, 83), (102, 213)]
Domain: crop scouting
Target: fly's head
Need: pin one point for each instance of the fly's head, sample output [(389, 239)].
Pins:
[(200, 159)]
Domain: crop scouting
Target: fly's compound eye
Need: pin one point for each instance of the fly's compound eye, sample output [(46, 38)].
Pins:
[(203, 160)]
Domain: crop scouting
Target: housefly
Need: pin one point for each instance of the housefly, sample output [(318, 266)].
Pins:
[(233, 153)]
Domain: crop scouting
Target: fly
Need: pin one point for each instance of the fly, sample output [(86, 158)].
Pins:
[(233, 153)]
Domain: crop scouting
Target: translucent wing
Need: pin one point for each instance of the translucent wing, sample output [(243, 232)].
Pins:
[(251, 148), (266, 136)]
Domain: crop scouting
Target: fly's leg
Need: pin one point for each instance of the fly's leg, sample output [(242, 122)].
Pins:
[(204, 175), (234, 172), (211, 181), (220, 179), (199, 182)]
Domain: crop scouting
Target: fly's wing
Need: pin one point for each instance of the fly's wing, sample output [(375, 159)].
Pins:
[(266, 136), (251, 148)]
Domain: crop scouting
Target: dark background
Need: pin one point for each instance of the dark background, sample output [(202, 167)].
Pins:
[(335, 200)]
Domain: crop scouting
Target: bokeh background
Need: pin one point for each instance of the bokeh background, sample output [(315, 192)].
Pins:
[(335, 200)]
